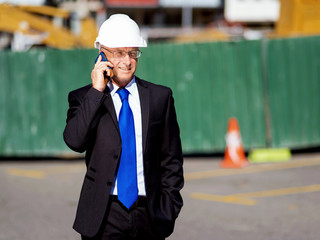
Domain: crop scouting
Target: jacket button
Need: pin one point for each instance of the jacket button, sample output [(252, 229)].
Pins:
[(115, 157)]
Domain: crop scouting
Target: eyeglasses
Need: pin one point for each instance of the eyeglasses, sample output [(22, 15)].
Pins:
[(122, 54)]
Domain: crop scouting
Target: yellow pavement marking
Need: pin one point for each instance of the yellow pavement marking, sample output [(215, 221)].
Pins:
[(224, 199), (65, 169), (247, 198), (26, 173), (252, 169), (41, 173)]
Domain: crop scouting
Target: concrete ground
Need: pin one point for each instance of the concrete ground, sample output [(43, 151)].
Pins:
[(270, 201)]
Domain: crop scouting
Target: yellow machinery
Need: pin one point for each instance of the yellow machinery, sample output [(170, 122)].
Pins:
[(299, 17), (206, 35), (35, 21)]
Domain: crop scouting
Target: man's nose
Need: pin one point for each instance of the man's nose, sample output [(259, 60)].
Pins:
[(126, 58)]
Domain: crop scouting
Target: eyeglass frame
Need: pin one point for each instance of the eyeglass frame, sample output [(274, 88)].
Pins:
[(122, 52)]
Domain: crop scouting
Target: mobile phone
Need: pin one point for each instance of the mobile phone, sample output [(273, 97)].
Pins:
[(104, 59)]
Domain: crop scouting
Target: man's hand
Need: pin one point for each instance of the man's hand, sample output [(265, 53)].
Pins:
[(97, 74)]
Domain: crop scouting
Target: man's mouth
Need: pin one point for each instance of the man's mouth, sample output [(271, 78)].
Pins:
[(125, 69)]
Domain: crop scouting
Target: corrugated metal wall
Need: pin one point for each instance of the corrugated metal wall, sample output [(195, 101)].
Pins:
[(251, 80), (211, 82), (294, 90), (34, 88)]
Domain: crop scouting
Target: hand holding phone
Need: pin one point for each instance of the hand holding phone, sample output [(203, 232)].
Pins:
[(104, 59), (100, 67)]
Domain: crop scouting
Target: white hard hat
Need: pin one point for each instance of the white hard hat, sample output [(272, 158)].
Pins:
[(119, 30)]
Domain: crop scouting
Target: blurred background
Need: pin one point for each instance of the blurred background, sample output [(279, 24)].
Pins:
[(256, 60)]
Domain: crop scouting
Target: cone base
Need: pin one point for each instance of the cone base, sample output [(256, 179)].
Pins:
[(230, 164)]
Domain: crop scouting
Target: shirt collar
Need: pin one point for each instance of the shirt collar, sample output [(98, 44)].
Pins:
[(131, 87)]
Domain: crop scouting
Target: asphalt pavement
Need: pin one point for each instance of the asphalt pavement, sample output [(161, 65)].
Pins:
[(265, 201)]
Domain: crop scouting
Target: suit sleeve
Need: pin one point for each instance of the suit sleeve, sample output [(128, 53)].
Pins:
[(171, 165), (82, 112)]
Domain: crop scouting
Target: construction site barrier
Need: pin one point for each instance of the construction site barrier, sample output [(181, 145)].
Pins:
[(271, 86)]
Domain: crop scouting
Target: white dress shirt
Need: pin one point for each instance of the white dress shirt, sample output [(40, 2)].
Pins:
[(134, 103)]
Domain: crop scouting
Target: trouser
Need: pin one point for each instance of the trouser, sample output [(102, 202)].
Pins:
[(123, 224)]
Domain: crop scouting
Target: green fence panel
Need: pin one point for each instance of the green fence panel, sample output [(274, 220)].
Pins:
[(211, 83), (34, 88), (294, 85)]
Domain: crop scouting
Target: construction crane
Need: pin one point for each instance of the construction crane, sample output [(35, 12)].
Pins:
[(37, 22)]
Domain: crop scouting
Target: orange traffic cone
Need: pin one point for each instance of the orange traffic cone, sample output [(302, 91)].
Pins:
[(234, 156)]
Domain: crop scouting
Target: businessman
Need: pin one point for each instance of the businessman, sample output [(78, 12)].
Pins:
[(129, 130)]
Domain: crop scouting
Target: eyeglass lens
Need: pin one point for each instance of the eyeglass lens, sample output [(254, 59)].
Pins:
[(132, 54)]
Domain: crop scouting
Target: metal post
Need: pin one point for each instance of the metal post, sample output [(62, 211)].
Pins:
[(186, 17), (266, 100)]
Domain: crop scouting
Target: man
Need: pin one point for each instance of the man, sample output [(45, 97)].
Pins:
[(128, 128)]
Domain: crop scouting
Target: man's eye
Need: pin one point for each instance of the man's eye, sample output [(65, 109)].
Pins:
[(119, 54), (133, 54)]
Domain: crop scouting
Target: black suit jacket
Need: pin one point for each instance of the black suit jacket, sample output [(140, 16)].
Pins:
[(92, 126)]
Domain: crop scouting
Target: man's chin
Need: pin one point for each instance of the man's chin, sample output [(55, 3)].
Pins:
[(122, 81)]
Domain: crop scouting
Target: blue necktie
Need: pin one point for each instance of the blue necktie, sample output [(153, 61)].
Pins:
[(127, 172)]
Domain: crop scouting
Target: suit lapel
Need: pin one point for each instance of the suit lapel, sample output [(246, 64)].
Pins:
[(144, 103), (108, 103)]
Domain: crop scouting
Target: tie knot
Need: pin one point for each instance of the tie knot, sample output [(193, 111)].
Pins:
[(123, 93)]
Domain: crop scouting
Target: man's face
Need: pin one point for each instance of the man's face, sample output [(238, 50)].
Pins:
[(124, 66)]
